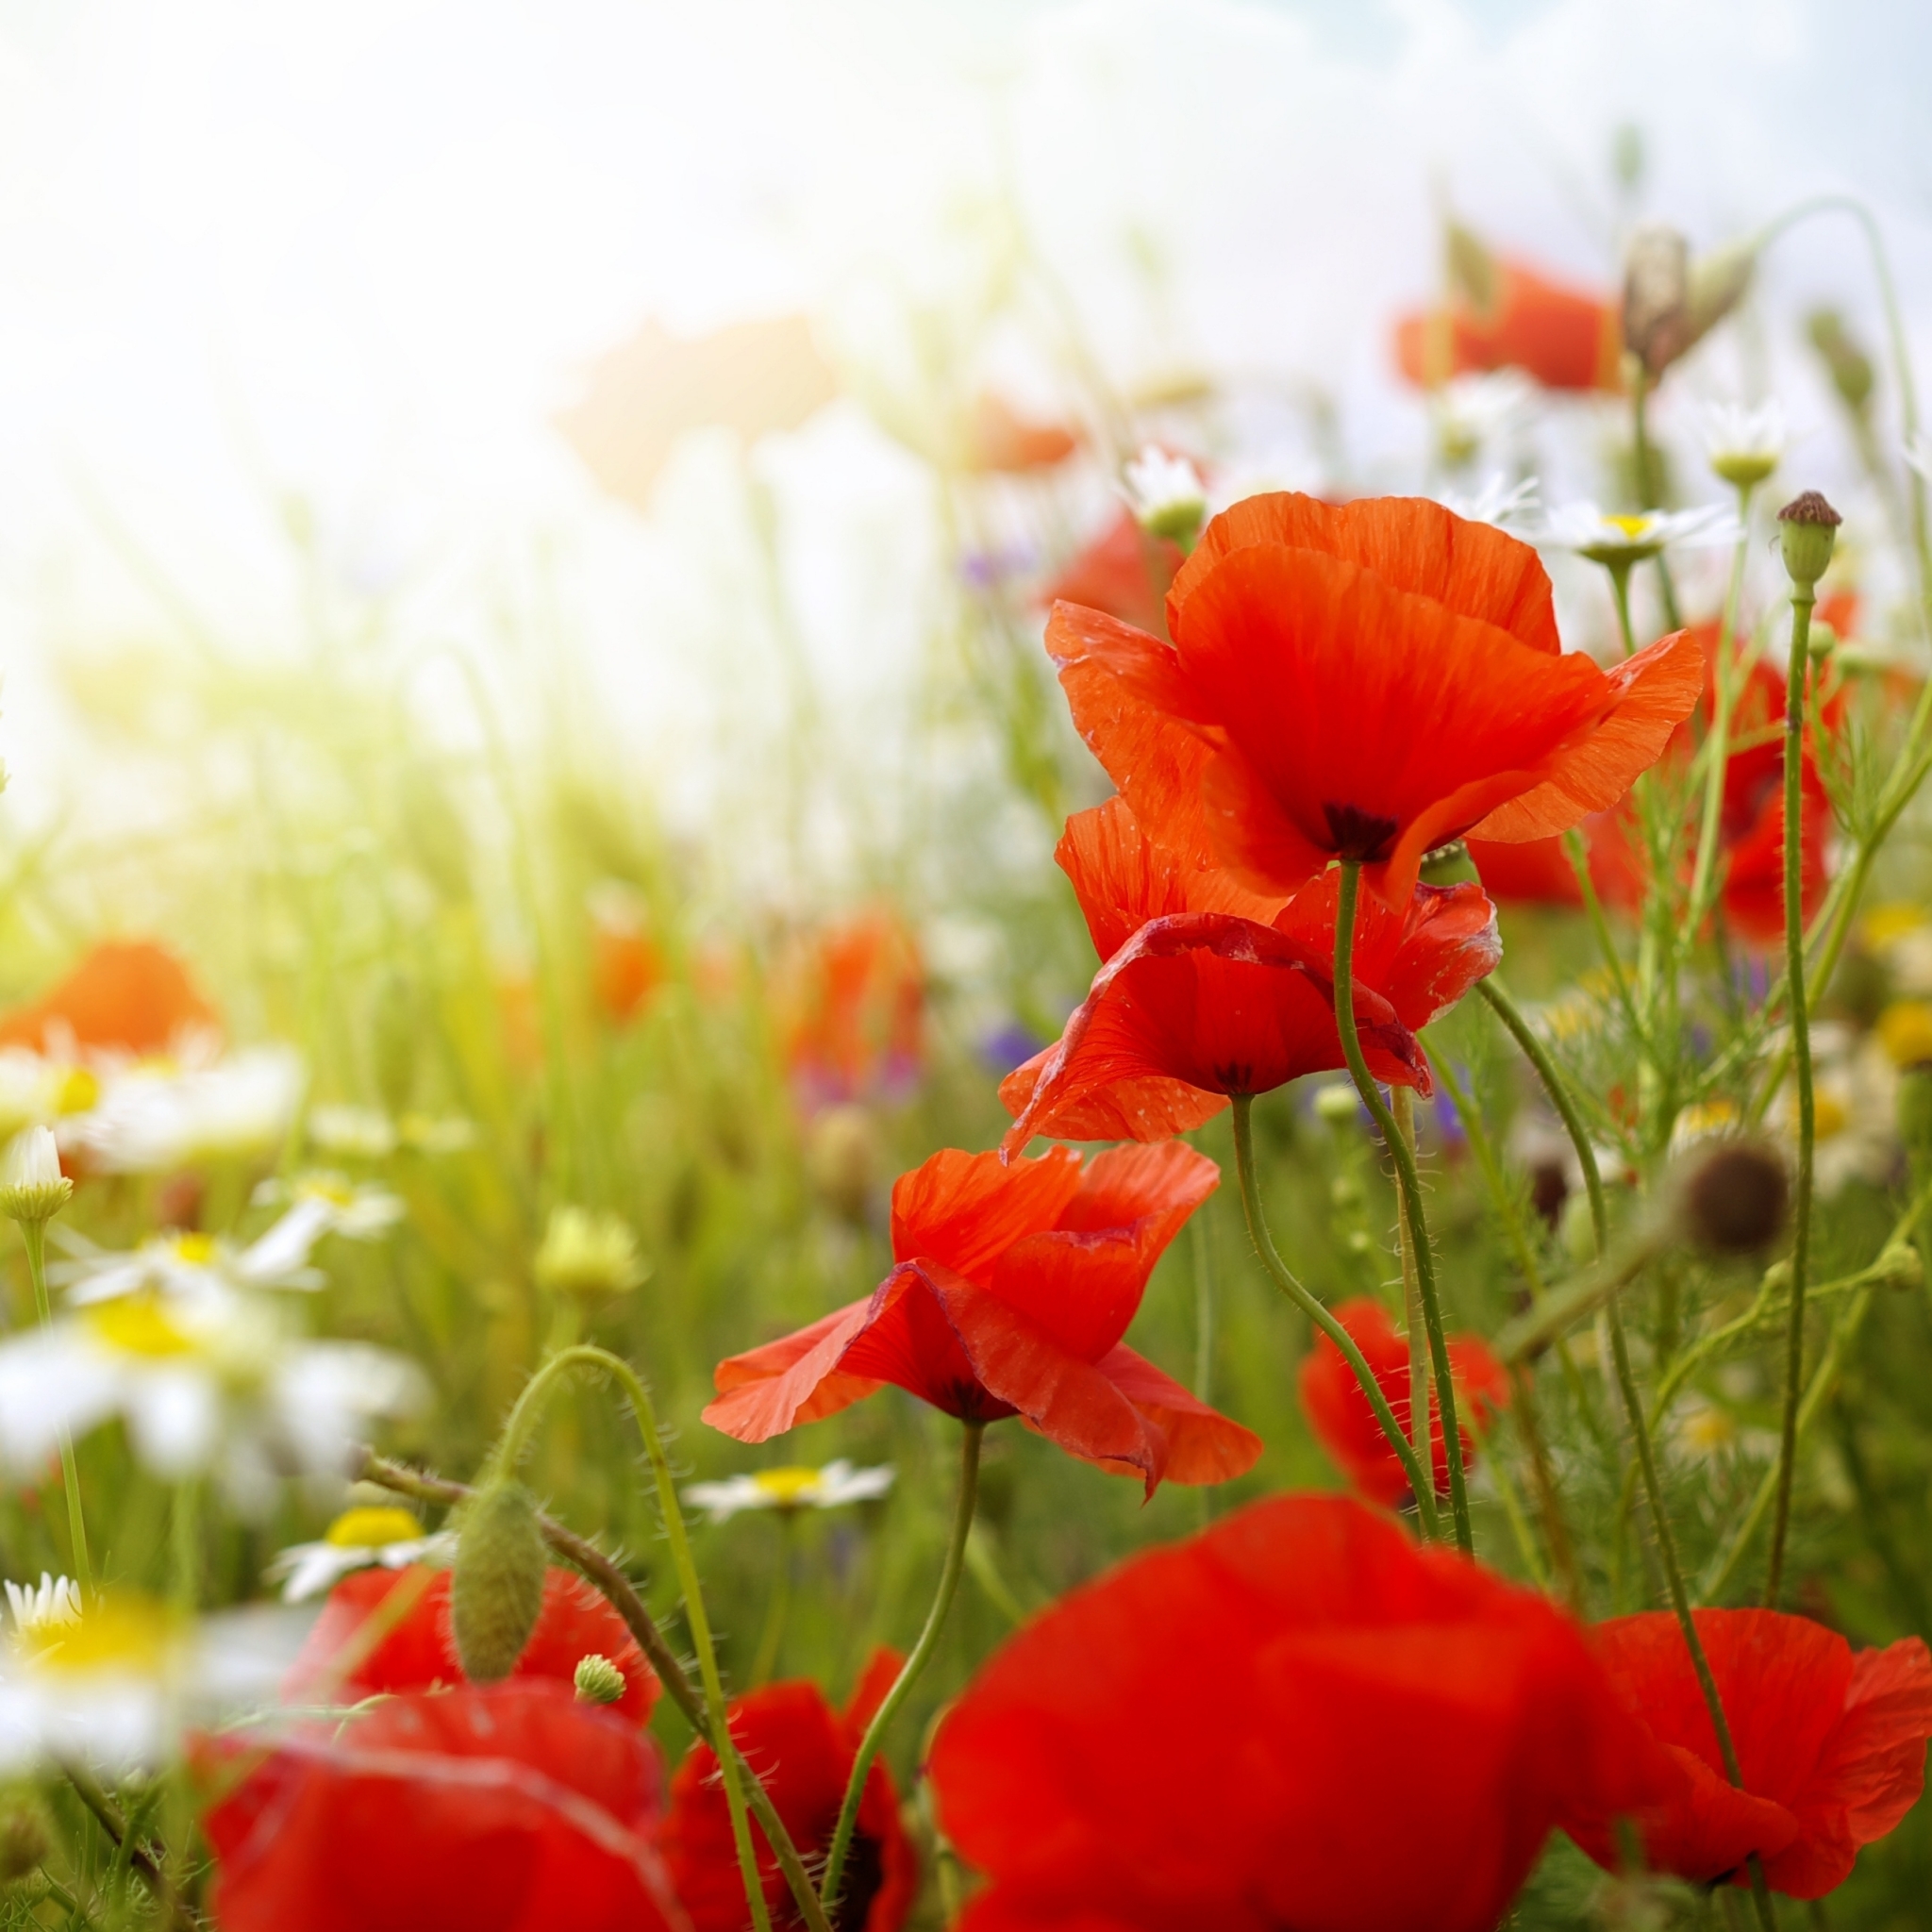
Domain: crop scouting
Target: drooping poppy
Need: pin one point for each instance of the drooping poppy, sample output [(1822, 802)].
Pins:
[(1564, 337), (851, 1009), (497, 1808), (1298, 1718), (1345, 1425), (1012, 1287), (1124, 572), (1831, 1744), (128, 997), (802, 1750), (1366, 682), (1209, 989), (388, 1631)]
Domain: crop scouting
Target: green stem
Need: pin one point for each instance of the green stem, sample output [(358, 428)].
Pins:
[(34, 1235), (1717, 744), (1412, 1193), (1577, 847), (1619, 588), (1403, 1108), (522, 1417), (1422, 1490), (922, 1655), (1802, 596), (773, 1636)]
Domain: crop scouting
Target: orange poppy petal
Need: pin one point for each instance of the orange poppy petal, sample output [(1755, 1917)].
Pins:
[(1203, 1445), (1655, 690), (1413, 543), (1126, 1109), (964, 1210), (766, 1391)]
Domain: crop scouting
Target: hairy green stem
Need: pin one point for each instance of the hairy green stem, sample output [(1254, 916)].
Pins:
[(33, 1234), (1717, 743), (915, 1664), (522, 1417), (1620, 589), (1409, 1188), (1422, 1490), (1402, 1105), (773, 1636), (1802, 596)]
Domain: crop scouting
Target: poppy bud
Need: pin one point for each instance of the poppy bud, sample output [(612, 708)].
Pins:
[(1807, 531), (1901, 1266), (1845, 362), (1731, 1198), (1337, 1102), (587, 1253), (1656, 296), (842, 1156), (597, 1681), (32, 1188), (496, 1588), (26, 1833)]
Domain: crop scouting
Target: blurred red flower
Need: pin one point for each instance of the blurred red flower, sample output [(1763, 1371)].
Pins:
[(1345, 1425), (1209, 989), (363, 1646), (1565, 338), (997, 437), (627, 964), (1367, 682), (1124, 572), (851, 1011), (1831, 1745), (1014, 1285), (1296, 1719), (127, 995), (802, 1750), (489, 1809)]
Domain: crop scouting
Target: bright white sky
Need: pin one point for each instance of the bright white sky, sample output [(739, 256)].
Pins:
[(357, 249)]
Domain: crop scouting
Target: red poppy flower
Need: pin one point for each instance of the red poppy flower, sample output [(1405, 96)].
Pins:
[(1124, 572), (498, 1807), (1232, 1734), (626, 965), (1345, 1425), (1564, 337), (127, 995), (802, 1750), (1367, 682), (1014, 1285), (999, 439), (852, 1007), (1209, 989), (1831, 1745), (339, 1664)]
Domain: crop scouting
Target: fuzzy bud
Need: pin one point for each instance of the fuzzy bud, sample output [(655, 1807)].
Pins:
[(1846, 361), (587, 1253), (1336, 1103), (598, 1680), (496, 1590), (32, 1188), (1901, 1266), (26, 1833), (1731, 1198), (1807, 531), (1657, 297)]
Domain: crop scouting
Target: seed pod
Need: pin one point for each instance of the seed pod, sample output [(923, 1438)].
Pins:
[(1731, 1198), (496, 1590), (597, 1681), (1806, 532), (26, 1833)]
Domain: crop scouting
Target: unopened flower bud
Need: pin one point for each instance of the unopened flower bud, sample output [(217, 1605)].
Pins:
[(1901, 1266), (1656, 296), (1807, 531), (26, 1833), (496, 1591), (1845, 362), (842, 1156), (598, 1680), (32, 1188), (587, 1253), (1336, 1103), (1731, 1198), (1167, 496)]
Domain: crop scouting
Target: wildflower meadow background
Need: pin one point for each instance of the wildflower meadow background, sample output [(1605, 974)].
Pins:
[(965, 966)]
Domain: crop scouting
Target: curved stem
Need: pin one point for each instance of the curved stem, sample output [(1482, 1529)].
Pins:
[(622, 1595), (1423, 1491), (1411, 1192), (34, 1234), (522, 1417), (1403, 1108), (1717, 743), (1802, 598), (922, 1655)]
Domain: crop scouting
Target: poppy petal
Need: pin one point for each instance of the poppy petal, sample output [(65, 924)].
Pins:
[(765, 1391), (1151, 1109), (1203, 1445), (964, 1210)]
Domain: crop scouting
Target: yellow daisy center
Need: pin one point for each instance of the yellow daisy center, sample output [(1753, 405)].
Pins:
[(80, 1092), (197, 1250), (128, 1633), (787, 1486), (371, 1526), (138, 1324), (1632, 527)]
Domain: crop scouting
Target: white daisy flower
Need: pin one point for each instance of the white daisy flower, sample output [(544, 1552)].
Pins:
[(364, 1538), (359, 1210), (1744, 445), (424, 1133), (53, 1600), (361, 1133), (35, 1090), (185, 1264), (1473, 410), (1614, 540), (115, 1683), (157, 1118), (789, 1490), (1166, 494), (32, 1188), (206, 1382), (1498, 502)]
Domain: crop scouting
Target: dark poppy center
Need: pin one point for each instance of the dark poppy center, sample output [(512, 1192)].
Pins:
[(1358, 834), (865, 1871)]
